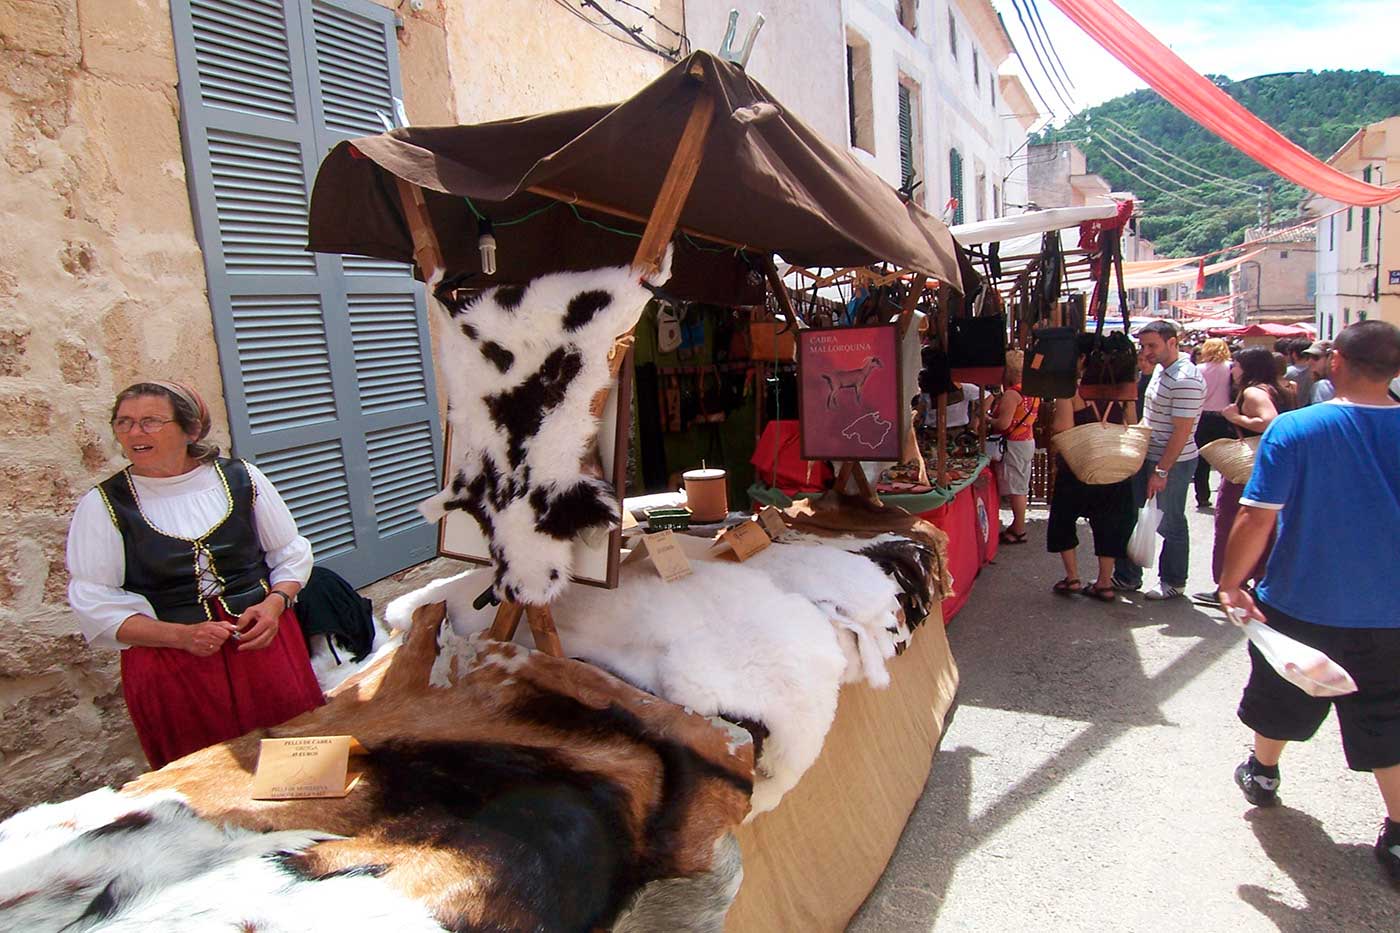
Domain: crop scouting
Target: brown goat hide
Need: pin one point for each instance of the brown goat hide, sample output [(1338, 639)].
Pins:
[(533, 793)]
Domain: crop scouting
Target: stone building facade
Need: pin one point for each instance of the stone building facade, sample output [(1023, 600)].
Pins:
[(103, 282)]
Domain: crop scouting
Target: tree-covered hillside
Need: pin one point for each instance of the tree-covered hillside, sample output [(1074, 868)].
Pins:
[(1199, 193)]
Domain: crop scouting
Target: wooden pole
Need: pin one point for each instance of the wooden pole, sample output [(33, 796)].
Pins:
[(427, 252), (945, 295)]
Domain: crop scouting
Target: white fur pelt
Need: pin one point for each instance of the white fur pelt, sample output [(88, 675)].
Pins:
[(331, 671), (726, 641), (855, 594), (120, 864), (521, 365)]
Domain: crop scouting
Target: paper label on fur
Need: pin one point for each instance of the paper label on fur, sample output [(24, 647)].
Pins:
[(746, 539), (666, 556), (772, 521), (307, 766)]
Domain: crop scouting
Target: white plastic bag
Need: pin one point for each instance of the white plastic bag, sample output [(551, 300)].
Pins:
[(1142, 546), (1306, 668)]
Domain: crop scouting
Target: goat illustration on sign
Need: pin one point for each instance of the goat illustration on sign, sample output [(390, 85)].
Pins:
[(852, 379), (850, 406)]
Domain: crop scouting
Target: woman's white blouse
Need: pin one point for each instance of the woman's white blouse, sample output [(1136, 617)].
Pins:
[(187, 505)]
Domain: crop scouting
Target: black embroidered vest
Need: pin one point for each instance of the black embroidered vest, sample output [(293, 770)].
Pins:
[(164, 568)]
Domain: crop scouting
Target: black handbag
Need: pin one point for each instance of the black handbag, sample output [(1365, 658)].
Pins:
[(1110, 360), (936, 377), (1051, 368), (977, 349)]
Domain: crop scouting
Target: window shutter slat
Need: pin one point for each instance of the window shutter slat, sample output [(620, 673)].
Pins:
[(311, 479), (401, 475)]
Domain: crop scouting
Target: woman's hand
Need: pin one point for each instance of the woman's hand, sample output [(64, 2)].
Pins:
[(258, 624), (1231, 413), (206, 638)]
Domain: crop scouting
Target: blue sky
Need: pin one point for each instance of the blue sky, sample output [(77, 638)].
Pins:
[(1239, 38)]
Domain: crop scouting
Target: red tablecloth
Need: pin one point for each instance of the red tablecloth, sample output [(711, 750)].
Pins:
[(972, 522)]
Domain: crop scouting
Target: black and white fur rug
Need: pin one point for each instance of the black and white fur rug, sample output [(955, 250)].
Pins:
[(521, 365)]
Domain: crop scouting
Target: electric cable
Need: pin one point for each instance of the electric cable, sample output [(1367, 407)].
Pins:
[(1172, 156), (1049, 74), (1176, 181), (634, 33), (1151, 187), (1045, 35), (1026, 68), (1196, 181)]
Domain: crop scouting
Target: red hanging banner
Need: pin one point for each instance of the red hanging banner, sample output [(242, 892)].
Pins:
[(1197, 97)]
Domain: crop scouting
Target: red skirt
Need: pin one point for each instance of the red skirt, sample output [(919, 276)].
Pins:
[(180, 703)]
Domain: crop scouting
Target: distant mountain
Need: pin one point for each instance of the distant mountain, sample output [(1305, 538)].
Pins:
[(1317, 110)]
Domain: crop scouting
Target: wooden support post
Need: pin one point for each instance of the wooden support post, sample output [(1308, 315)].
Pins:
[(780, 291), (542, 628), (427, 252), (665, 214), (506, 622), (945, 295)]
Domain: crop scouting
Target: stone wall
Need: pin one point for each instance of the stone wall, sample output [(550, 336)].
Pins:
[(101, 283)]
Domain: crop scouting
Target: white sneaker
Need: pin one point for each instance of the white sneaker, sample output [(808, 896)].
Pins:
[(1163, 591)]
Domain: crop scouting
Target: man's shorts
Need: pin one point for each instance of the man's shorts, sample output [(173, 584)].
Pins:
[(1370, 718)]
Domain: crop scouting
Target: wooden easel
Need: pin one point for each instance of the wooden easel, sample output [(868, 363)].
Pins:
[(660, 227)]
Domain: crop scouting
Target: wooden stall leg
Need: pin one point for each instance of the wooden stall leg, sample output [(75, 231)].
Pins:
[(507, 621), (542, 628)]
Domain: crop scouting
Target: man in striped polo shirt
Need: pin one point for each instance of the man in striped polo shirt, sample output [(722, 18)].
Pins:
[(1171, 409)]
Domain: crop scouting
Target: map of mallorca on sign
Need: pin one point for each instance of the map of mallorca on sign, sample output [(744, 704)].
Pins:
[(869, 430)]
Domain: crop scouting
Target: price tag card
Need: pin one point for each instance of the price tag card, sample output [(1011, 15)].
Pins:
[(745, 539), (772, 521), (308, 766), (666, 555)]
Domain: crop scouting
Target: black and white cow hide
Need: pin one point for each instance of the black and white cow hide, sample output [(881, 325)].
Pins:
[(521, 365)]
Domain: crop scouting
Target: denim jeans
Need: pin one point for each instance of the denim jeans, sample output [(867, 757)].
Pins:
[(1176, 537)]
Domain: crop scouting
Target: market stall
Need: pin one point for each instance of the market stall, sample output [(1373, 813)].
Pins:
[(547, 240)]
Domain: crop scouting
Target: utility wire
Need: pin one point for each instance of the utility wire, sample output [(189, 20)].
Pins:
[(1163, 175), (1049, 74), (648, 14), (1044, 102), (1172, 157), (1157, 188), (634, 33), (1045, 37), (1194, 182)]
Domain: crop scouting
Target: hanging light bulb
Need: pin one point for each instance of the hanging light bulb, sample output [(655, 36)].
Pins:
[(486, 242)]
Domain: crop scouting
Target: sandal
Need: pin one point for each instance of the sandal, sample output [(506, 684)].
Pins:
[(1104, 594), (1012, 537), (1068, 587)]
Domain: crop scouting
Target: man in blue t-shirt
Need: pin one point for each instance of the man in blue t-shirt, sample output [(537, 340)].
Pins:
[(1329, 477)]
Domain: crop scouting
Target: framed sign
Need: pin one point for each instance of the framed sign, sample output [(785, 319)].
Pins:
[(1395, 276), (849, 404), (461, 537)]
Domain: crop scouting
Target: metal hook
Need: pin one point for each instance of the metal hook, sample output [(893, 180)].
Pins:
[(726, 49)]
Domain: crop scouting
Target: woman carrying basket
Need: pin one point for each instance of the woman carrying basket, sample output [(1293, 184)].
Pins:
[(1263, 395), (1109, 507)]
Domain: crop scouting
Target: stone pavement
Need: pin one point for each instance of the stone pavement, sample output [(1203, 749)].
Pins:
[(1084, 780)]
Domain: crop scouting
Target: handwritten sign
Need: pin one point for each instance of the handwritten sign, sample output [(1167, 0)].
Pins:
[(308, 766), (772, 521), (745, 539), (666, 555)]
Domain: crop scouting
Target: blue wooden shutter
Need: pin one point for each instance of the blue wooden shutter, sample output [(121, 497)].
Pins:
[(324, 361)]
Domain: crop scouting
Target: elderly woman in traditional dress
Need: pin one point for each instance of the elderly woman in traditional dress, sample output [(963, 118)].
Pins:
[(189, 564)]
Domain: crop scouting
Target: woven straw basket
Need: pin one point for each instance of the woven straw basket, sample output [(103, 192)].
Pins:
[(1233, 457), (1100, 454)]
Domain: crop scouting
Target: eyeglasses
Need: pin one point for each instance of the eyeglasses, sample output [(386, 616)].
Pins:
[(148, 425)]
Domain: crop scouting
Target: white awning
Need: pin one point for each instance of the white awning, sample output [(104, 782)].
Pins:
[(1031, 223)]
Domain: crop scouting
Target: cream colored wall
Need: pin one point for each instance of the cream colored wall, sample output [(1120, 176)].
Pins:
[(516, 57), (101, 283)]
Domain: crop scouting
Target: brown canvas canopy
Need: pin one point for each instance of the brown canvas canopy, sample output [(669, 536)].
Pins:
[(550, 183)]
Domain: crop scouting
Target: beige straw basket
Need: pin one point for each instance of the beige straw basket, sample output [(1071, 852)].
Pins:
[(1233, 457), (1100, 454)]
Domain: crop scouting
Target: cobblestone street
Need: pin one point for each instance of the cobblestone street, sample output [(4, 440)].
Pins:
[(1084, 781)]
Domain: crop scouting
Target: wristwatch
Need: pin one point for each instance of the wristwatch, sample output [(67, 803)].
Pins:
[(1158, 470), (285, 598)]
